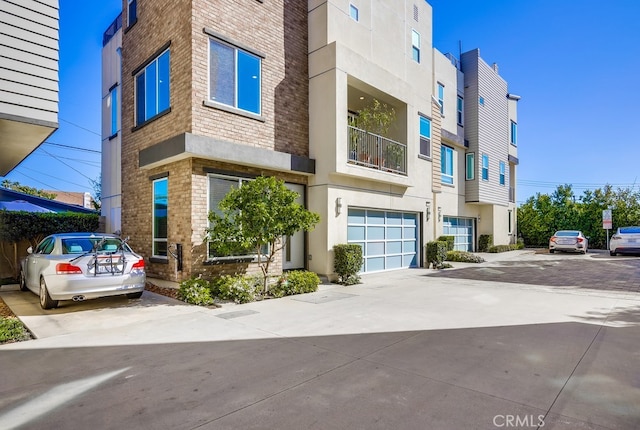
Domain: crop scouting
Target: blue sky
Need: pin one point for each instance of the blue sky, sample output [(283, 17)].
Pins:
[(574, 63)]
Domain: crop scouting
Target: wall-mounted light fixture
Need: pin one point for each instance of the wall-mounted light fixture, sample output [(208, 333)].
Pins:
[(478, 217), (338, 205), (428, 212), (439, 213)]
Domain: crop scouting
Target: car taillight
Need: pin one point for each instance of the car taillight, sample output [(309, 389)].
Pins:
[(553, 238), (615, 236), (138, 265), (67, 269), (580, 240)]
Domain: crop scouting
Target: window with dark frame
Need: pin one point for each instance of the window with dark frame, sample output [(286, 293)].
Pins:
[(152, 92), (425, 136), (159, 215), (446, 164), (234, 77)]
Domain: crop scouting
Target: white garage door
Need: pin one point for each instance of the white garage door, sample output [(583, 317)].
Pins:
[(462, 231), (389, 240)]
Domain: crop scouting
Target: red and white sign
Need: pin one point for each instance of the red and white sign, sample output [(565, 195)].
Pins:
[(607, 223)]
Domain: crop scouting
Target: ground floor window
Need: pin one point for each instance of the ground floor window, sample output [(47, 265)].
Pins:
[(160, 211), (462, 231), (389, 240)]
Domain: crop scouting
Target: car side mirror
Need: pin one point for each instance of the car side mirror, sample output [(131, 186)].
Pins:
[(30, 250)]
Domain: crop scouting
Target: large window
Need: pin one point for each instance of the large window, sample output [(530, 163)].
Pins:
[(160, 206), (441, 97), (114, 108), (485, 167), (502, 173), (219, 186), (425, 136), (235, 77), (460, 109), (415, 45), (446, 163), (471, 166), (152, 89), (514, 133)]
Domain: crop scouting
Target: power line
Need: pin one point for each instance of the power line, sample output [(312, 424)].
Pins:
[(77, 148), (80, 127), (72, 168), (54, 177)]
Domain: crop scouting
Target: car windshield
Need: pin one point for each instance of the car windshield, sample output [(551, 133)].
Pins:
[(630, 230), (80, 245), (567, 233)]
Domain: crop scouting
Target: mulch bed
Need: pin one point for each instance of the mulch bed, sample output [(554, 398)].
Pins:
[(5, 311), (169, 292)]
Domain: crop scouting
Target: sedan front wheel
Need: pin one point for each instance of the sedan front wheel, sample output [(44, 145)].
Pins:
[(45, 299)]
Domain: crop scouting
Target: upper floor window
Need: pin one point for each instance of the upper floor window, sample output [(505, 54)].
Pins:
[(152, 89), (460, 109), (485, 167), (502, 173), (441, 97), (114, 108), (235, 77), (446, 163), (415, 43), (514, 133), (132, 12), (160, 211), (353, 11), (425, 136), (471, 166)]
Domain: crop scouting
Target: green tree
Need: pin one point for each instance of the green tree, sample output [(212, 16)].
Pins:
[(17, 186), (256, 216), (96, 184)]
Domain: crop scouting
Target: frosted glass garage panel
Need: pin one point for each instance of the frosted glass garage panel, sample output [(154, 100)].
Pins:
[(394, 247), (375, 248), (356, 216), (394, 233), (375, 217), (394, 262), (394, 218), (375, 264), (409, 233), (375, 233), (355, 233), (409, 219)]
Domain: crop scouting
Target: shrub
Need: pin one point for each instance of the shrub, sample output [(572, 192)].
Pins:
[(238, 289), (436, 253), (464, 257), (485, 241), (295, 282), (450, 241), (520, 243), (195, 291), (347, 263), (12, 330), (502, 248)]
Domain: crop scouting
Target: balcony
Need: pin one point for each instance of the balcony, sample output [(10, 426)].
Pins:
[(376, 152)]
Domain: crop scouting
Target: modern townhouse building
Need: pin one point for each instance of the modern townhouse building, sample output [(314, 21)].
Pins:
[(29, 34), (214, 93)]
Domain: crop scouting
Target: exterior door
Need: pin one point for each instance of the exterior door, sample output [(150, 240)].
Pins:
[(462, 231), (293, 251)]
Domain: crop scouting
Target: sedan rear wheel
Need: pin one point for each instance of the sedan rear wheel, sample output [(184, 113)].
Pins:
[(45, 299), (551, 251), (23, 282), (134, 295), (612, 253)]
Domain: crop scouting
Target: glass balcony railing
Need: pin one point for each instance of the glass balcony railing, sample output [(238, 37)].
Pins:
[(376, 152)]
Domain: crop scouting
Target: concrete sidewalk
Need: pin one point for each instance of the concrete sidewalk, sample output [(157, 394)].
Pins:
[(404, 349)]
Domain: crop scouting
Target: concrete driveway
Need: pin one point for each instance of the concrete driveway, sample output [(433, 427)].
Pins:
[(455, 349)]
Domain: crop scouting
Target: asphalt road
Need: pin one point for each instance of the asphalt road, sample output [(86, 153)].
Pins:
[(513, 343)]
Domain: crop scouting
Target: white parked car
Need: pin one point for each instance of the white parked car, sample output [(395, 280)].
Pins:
[(568, 240), (81, 266), (626, 240)]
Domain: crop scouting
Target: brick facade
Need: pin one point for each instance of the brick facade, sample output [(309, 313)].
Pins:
[(281, 36)]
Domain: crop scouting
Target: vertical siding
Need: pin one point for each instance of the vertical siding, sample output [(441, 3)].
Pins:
[(488, 128), (29, 60)]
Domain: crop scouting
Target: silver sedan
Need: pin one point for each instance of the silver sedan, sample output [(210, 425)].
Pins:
[(568, 240), (80, 266), (626, 240)]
